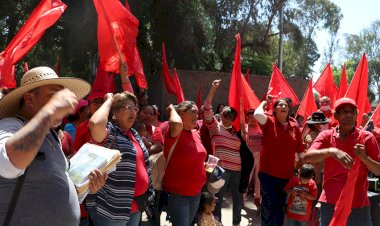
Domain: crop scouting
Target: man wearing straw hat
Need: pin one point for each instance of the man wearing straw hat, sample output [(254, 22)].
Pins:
[(34, 185)]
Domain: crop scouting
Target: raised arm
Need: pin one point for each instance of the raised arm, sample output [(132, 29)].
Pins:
[(23, 146), (98, 121), (214, 87), (175, 122), (259, 114), (125, 82)]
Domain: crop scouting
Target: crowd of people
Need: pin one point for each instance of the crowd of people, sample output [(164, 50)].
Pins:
[(290, 169)]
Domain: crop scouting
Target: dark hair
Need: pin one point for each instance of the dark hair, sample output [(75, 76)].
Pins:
[(251, 111), (227, 110), (217, 108), (138, 126), (277, 102), (307, 171), (206, 199)]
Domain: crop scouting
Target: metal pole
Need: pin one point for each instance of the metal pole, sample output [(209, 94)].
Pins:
[(280, 27)]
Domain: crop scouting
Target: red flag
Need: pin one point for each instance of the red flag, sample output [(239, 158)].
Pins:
[(280, 88), (376, 117), (343, 86), (168, 79), (241, 97), (26, 67), (344, 203), (307, 106), (178, 86), (325, 84), (104, 83), (246, 76), (358, 89), (199, 99), (117, 32), (42, 17)]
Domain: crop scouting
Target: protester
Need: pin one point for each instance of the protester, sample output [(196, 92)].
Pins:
[(66, 141), (30, 149), (156, 117), (339, 147), (254, 138), (281, 141), (121, 201), (325, 103), (206, 207), (146, 116), (185, 173), (80, 115), (227, 149), (219, 108), (301, 190)]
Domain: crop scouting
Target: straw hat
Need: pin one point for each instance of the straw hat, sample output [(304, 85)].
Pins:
[(36, 77)]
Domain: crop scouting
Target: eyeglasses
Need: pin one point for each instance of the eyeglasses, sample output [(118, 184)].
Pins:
[(347, 111), (131, 108)]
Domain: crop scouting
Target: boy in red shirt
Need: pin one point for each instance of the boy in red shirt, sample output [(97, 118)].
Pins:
[(302, 191)]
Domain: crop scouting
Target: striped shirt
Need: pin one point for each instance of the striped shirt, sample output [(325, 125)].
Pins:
[(115, 199), (227, 145)]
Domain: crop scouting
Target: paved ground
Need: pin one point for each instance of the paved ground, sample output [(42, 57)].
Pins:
[(250, 216)]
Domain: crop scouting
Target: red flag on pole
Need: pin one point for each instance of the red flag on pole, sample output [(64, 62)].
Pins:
[(199, 99), (343, 86), (280, 88), (376, 117), (241, 97), (42, 17), (358, 89), (168, 79), (307, 106), (247, 78), (178, 86), (325, 84), (117, 32), (26, 67)]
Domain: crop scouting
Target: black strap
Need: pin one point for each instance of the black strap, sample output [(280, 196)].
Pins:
[(15, 196)]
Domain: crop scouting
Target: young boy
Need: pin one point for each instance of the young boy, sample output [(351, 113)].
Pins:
[(302, 191)]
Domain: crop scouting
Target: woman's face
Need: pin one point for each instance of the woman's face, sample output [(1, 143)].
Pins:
[(282, 109), (126, 115), (189, 117), (227, 119), (146, 115), (251, 120)]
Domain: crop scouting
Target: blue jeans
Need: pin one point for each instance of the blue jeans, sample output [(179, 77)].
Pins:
[(292, 222), (100, 220), (358, 216), (182, 209), (273, 199), (233, 179)]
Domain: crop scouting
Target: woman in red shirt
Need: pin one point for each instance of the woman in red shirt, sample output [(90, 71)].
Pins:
[(185, 174)]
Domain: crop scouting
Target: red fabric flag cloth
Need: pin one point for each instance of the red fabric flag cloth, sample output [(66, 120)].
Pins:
[(42, 17), (241, 97), (343, 86), (168, 79), (280, 88), (376, 117), (117, 32), (178, 86), (246, 76), (199, 99), (26, 67), (104, 83), (358, 89), (325, 84), (307, 106)]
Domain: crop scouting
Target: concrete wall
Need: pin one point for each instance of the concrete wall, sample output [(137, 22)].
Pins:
[(192, 80)]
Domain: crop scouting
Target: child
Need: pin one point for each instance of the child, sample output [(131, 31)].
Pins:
[(143, 133), (301, 190), (206, 206)]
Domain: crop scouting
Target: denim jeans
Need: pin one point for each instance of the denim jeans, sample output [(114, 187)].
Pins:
[(100, 220), (292, 222), (273, 199), (233, 179), (358, 216), (182, 209)]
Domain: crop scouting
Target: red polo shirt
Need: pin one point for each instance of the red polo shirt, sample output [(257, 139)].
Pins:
[(335, 175), (280, 144)]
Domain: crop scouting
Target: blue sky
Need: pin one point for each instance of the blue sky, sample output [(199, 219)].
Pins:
[(357, 15)]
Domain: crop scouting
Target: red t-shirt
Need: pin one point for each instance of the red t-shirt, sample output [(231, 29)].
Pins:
[(67, 143), (185, 173), (280, 144), (335, 174), (82, 136), (142, 179), (164, 127), (298, 208), (154, 134)]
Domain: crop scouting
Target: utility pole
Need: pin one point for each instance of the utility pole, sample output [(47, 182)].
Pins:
[(280, 27)]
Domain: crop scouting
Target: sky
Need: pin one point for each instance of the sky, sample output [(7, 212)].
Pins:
[(357, 15)]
